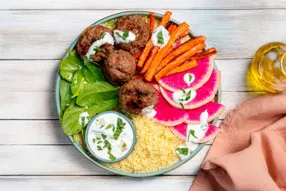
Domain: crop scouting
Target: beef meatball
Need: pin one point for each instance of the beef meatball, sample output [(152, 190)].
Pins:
[(137, 25), (89, 36), (135, 95), (119, 67)]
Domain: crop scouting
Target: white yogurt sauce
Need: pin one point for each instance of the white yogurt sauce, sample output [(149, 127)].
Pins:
[(189, 78), (106, 140), (195, 132), (123, 36), (106, 39), (149, 111), (160, 36), (184, 96)]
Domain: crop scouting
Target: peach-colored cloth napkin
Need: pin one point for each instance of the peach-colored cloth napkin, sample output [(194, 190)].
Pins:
[(249, 153)]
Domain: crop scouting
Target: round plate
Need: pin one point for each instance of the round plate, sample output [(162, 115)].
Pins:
[(97, 162)]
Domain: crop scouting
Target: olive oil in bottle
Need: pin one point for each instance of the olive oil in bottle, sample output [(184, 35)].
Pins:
[(267, 72)]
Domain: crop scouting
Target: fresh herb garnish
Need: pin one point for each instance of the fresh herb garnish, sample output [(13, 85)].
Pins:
[(93, 140), (183, 90), (124, 36), (183, 151), (98, 138), (160, 37), (106, 144), (103, 136), (111, 156), (182, 105), (99, 142), (109, 126), (119, 128), (99, 148), (103, 35), (190, 77), (124, 145), (192, 132), (97, 49)]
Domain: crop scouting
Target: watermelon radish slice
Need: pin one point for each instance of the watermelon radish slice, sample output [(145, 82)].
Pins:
[(214, 109), (181, 131), (166, 114), (202, 73), (204, 94)]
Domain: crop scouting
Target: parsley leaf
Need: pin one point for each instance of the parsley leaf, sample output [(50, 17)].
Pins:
[(103, 35), (103, 136), (119, 128), (190, 77), (97, 49), (160, 37), (109, 126), (124, 36), (183, 151), (99, 148), (111, 156), (124, 145), (192, 132), (93, 140), (107, 144)]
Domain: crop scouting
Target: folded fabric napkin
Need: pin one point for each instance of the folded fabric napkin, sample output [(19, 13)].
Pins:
[(249, 153)]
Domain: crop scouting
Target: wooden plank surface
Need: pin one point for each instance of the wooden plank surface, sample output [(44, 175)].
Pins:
[(65, 160), (41, 105), (45, 34), (34, 152), (110, 183), (130, 4), (40, 75), (37, 132)]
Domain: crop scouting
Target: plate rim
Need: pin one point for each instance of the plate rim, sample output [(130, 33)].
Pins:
[(94, 161)]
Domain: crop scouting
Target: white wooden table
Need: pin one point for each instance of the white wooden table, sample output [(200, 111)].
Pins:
[(34, 152)]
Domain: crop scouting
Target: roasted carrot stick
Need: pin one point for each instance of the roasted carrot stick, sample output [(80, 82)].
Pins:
[(204, 54), (185, 66), (137, 54), (163, 51), (178, 61), (182, 49), (172, 28), (150, 59), (152, 21), (165, 19), (149, 44)]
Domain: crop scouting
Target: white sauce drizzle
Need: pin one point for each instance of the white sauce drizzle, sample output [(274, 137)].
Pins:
[(165, 36), (107, 39), (189, 78), (149, 111), (184, 96), (195, 132), (119, 36)]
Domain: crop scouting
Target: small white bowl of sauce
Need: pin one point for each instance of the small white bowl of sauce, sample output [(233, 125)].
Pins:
[(110, 136)]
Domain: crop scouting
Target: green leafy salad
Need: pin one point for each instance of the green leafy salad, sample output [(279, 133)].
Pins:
[(83, 93)]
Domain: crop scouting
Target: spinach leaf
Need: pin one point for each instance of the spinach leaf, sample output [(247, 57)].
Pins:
[(69, 66), (65, 94), (92, 73), (71, 120), (78, 82), (102, 106), (96, 92)]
